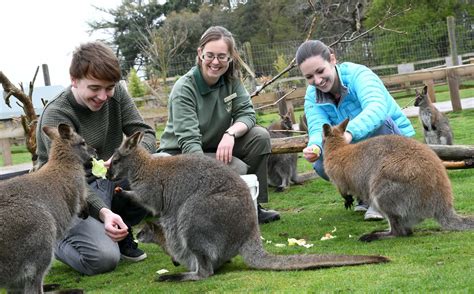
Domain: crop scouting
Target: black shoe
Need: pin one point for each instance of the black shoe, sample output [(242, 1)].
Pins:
[(129, 249), (266, 216)]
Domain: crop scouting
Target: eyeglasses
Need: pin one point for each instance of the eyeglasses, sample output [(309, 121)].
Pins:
[(208, 56)]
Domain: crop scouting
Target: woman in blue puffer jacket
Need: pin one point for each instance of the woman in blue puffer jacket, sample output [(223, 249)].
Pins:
[(340, 91)]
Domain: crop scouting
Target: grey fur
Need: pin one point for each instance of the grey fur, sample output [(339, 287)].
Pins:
[(436, 128), (206, 212), (282, 168), (401, 177), (36, 210)]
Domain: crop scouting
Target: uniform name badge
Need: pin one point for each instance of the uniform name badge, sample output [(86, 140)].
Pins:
[(228, 101)]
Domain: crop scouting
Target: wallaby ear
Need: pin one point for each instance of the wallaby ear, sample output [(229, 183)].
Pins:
[(133, 141), (65, 131), (425, 90), (417, 92), (327, 130), (51, 132), (342, 126)]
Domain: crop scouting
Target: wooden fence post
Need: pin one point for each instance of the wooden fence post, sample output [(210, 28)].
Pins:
[(431, 91), (6, 151), (452, 40), (453, 84)]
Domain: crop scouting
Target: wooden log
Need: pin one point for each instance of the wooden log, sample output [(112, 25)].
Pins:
[(453, 152), (468, 163), (445, 152), (289, 144)]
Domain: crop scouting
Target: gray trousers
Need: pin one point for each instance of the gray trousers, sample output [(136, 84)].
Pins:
[(86, 247), (250, 156)]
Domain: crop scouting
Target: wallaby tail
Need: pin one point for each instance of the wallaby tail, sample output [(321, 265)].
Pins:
[(256, 257), (454, 222), (303, 177)]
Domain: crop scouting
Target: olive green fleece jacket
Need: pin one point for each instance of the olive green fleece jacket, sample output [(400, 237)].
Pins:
[(198, 115), (103, 129)]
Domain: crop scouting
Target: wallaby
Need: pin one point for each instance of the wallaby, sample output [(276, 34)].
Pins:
[(303, 124), (206, 212), (436, 128), (284, 124), (36, 210), (282, 168), (403, 178)]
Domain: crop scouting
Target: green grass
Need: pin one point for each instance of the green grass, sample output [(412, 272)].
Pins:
[(430, 261)]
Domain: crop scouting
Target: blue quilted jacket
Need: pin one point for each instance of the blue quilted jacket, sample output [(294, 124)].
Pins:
[(365, 101)]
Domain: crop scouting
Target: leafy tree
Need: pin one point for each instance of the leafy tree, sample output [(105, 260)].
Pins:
[(168, 41), (135, 85), (130, 20), (422, 16)]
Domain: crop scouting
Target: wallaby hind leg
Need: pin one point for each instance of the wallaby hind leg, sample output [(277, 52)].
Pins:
[(397, 229), (283, 185), (204, 270)]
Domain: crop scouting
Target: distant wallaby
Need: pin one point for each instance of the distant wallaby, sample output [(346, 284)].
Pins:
[(303, 124), (36, 210), (282, 168), (436, 128), (401, 177), (206, 212), (285, 123)]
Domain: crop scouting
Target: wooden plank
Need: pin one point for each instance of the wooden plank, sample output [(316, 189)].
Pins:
[(435, 74), (12, 132), (445, 152), (6, 151)]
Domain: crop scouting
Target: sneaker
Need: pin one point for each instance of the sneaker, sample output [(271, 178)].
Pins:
[(372, 214), (361, 206), (129, 249), (266, 216)]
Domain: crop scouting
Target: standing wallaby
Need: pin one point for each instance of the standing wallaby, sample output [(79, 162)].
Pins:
[(36, 210), (282, 168), (436, 129), (403, 178), (303, 124), (206, 212)]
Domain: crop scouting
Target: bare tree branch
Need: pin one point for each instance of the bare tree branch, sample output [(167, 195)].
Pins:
[(341, 40), (282, 97), (29, 120)]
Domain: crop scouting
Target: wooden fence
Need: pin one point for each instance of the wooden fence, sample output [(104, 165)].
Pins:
[(427, 76)]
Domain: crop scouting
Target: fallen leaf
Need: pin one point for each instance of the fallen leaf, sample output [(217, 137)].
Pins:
[(327, 236), (280, 245), (162, 271)]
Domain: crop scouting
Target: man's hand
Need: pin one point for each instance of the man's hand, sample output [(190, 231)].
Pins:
[(114, 226)]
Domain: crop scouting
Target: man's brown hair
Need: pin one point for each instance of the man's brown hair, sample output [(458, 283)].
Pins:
[(95, 60)]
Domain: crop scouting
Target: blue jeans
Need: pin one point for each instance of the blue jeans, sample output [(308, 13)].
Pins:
[(388, 128)]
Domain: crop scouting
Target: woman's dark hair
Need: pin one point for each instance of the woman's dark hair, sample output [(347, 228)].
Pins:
[(95, 60), (215, 33), (313, 48)]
